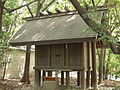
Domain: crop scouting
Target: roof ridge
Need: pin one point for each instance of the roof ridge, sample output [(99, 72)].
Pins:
[(44, 16)]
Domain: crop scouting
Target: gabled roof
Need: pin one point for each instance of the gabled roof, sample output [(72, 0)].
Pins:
[(63, 29)]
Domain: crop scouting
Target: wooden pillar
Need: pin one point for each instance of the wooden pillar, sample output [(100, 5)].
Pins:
[(92, 76), (78, 78), (82, 63), (83, 80), (37, 78), (67, 72), (44, 74), (37, 72), (89, 64), (67, 78), (62, 77), (49, 73), (94, 73), (88, 79)]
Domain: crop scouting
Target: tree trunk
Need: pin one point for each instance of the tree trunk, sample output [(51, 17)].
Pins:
[(107, 66), (1, 14), (104, 65), (25, 77)]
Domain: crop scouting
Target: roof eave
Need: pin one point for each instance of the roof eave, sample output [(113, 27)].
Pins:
[(62, 41)]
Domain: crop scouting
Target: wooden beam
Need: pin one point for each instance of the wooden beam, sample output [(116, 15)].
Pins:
[(67, 9), (50, 13), (58, 11), (63, 68)]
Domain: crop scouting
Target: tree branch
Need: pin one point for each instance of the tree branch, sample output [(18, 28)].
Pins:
[(30, 11), (97, 28), (12, 10), (39, 6), (93, 2)]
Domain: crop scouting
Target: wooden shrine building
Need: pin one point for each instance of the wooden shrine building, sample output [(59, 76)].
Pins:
[(62, 43)]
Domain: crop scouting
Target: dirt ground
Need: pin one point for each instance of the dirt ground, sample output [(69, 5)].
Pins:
[(15, 84)]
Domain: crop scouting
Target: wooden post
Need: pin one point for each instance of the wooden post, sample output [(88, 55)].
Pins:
[(88, 79), (37, 78), (82, 63), (94, 74), (44, 74), (89, 66), (62, 77), (78, 78), (49, 73), (67, 78), (37, 72), (83, 80)]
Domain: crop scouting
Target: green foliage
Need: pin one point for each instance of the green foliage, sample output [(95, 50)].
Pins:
[(112, 63), (11, 23)]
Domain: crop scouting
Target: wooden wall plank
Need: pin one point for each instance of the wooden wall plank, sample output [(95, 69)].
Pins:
[(61, 52), (54, 57), (57, 55), (74, 54), (43, 55)]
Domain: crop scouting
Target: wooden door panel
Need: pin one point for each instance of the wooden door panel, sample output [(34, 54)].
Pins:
[(57, 55)]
